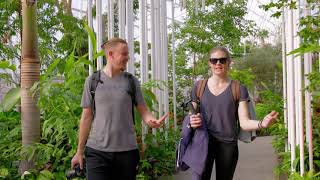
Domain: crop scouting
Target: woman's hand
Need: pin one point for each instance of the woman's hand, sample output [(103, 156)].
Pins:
[(269, 119), (195, 120)]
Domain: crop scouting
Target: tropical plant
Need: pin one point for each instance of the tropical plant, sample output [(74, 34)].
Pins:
[(258, 60)]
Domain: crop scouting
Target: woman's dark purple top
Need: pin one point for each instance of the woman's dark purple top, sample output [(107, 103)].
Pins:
[(219, 112)]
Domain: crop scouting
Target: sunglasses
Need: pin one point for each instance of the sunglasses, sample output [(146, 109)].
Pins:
[(221, 60)]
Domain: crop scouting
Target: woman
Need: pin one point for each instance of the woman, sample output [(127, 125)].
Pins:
[(217, 109)]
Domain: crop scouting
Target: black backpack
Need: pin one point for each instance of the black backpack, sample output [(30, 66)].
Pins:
[(95, 80)]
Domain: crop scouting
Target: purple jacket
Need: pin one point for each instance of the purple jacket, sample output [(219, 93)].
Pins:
[(194, 145)]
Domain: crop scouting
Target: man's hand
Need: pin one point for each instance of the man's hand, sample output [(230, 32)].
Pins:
[(269, 119), (156, 123), (77, 159), (195, 120)]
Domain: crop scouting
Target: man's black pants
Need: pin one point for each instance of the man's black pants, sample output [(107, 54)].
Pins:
[(111, 165), (225, 155)]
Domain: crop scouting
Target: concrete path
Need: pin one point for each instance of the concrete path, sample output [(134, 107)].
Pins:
[(256, 162)]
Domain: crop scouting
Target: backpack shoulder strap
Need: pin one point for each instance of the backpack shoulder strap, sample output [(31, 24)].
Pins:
[(95, 79), (131, 92), (200, 88), (235, 87), (132, 87)]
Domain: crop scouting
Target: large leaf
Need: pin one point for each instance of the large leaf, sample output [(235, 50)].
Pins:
[(92, 37), (53, 66), (4, 172), (11, 99), (45, 175), (6, 65), (69, 63), (305, 49)]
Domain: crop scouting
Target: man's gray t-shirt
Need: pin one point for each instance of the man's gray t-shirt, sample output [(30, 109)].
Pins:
[(219, 112), (112, 129)]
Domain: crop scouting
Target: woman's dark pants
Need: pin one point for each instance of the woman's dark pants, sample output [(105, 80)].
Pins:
[(225, 155)]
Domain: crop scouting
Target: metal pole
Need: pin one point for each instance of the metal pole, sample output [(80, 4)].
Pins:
[(284, 75), (146, 40), (244, 48), (308, 109), (122, 12), (296, 79), (196, 6), (298, 88), (184, 4), (158, 55), (165, 59), (153, 50), (99, 32), (290, 80), (174, 71), (203, 5), (89, 9), (143, 55), (129, 33), (110, 19)]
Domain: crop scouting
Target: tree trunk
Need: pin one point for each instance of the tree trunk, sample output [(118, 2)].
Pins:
[(30, 72), (67, 7)]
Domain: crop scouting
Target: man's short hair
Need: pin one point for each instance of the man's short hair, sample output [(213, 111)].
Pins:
[(112, 43)]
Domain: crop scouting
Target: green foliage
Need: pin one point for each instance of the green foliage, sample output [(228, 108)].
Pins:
[(308, 176), (159, 157), (58, 31), (220, 24), (10, 99), (310, 24), (310, 35), (271, 101), (10, 143), (6, 65), (245, 76), (265, 63), (280, 131)]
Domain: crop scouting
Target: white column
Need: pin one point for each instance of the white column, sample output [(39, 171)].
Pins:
[(99, 33), (146, 40), (284, 73), (122, 18), (129, 33), (308, 109), (244, 48), (143, 50), (143, 54), (203, 5), (159, 62), (153, 49), (89, 11), (290, 88), (110, 19), (164, 60), (298, 88), (184, 4), (174, 71), (196, 6)]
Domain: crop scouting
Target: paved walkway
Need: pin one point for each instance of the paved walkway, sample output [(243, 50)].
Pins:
[(256, 162)]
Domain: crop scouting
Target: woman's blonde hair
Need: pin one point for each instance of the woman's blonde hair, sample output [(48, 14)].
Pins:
[(222, 49)]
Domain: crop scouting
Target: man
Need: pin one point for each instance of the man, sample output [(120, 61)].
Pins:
[(108, 137)]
